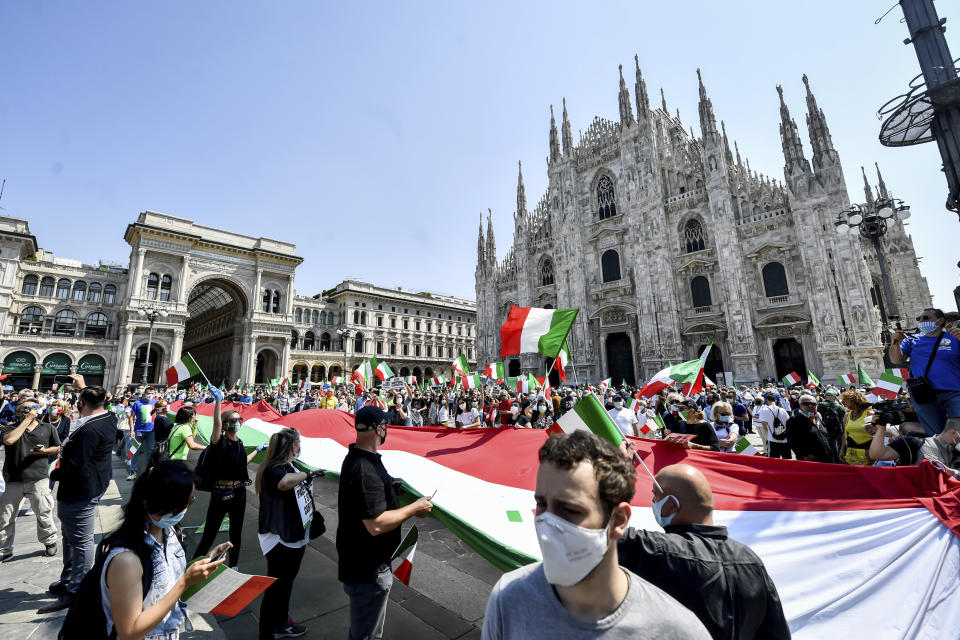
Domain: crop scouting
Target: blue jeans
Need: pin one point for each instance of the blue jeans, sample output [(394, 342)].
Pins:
[(141, 457), (368, 605), (933, 415), (76, 524)]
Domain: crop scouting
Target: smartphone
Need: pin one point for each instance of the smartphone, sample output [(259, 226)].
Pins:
[(220, 556), (58, 380)]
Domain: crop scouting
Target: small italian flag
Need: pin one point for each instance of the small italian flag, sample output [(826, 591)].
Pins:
[(563, 358), (404, 553), (812, 380), (889, 384), (791, 379), (336, 379), (283, 385), (305, 384), (437, 381), (847, 378), (522, 384), (381, 370), (461, 367), (862, 376), (689, 374), (589, 415), (410, 379), (533, 330), (134, 445), (743, 446), (470, 382), (634, 405), (236, 385), (186, 368), (363, 374), (605, 383), (494, 370)]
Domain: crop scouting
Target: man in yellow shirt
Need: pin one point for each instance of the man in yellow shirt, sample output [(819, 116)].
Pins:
[(328, 401)]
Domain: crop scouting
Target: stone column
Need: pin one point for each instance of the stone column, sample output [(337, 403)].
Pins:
[(290, 292), (36, 376), (177, 346), (123, 354), (285, 360), (181, 296), (138, 275), (257, 293)]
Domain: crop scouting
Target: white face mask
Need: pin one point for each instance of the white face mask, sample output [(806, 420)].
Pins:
[(569, 552), (463, 406)]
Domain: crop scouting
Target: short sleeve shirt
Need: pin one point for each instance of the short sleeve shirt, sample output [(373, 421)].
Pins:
[(179, 449), (366, 491), (945, 370), (19, 465), (624, 419), (143, 415)]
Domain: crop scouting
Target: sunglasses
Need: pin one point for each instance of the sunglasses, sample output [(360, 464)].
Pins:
[(808, 404), (922, 318)]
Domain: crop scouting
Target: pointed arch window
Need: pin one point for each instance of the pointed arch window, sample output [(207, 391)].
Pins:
[(610, 265), (546, 272), (606, 198), (700, 292), (775, 280), (693, 238)]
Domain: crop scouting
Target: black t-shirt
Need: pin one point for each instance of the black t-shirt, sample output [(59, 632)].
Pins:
[(520, 421), (909, 449), (366, 491), (228, 460), (162, 426), (705, 434), (19, 464)]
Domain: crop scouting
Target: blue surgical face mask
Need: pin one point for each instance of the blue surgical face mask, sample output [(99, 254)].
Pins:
[(724, 418), (657, 507), (297, 454), (168, 520), (927, 326), (618, 404)]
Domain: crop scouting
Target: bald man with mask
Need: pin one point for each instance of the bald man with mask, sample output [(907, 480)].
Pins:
[(719, 579)]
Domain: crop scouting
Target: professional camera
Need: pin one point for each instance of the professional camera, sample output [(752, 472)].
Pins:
[(891, 411)]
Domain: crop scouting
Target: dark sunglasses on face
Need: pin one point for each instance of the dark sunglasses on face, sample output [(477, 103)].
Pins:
[(925, 317), (808, 404)]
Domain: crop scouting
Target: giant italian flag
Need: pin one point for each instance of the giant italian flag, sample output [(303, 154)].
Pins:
[(858, 552), (533, 330)]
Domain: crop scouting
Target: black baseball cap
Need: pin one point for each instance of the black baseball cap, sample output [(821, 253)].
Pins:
[(369, 417)]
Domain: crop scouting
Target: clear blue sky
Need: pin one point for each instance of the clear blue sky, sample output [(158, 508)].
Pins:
[(373, 137)]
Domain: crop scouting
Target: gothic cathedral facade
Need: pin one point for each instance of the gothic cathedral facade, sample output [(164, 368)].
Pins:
[(664, 240)]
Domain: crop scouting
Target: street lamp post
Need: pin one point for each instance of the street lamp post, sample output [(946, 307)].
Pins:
[(346, 335), (151, 313), (870, 221)]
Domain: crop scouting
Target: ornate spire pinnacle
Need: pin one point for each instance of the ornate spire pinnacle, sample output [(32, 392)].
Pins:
[(867, 189), (820, 140), (567, 134), (726, 144), (790, 139), (640, 92), (739, 161), (521, 191), (491, 243), (663, 102), (708, 123), (481, 244), (626, 111), (883, 186), (554, 138)]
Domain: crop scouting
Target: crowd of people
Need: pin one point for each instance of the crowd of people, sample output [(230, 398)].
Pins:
[(597, 573)]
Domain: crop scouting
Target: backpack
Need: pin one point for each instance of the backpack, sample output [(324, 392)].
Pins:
[(161, 452), (779, 426), (85, 619)]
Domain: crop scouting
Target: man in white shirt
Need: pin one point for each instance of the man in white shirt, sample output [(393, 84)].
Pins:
[(774, 418), (625, 419)]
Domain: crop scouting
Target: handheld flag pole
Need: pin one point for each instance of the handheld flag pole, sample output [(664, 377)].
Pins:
[(199, 369), (642, 464)]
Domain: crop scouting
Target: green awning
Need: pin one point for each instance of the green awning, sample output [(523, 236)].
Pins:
[(56, 363), (19, 362), (91, 365)]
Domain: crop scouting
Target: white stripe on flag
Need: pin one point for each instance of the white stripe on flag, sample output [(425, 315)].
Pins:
[(537, 323)]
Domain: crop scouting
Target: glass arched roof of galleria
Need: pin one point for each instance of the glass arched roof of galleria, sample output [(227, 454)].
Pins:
[(206, 299)]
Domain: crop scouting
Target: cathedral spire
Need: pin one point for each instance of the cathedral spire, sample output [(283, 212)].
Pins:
[(640, 91), (790, 139), (663, 102), (481, 244), (726, 144), (883, 186), (867, 189), (567, 134), (820, 140), (521, 191), (708, 122), (554, 138), (491, 243), (626, 111), (739, 161)]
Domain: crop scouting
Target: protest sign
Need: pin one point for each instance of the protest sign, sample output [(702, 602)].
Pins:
[(304, 502)]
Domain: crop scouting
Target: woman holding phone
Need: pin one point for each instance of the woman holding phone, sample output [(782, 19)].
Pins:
[(145, 544)]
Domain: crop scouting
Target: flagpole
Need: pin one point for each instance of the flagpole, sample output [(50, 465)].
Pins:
[(199, 369), (655, 483)]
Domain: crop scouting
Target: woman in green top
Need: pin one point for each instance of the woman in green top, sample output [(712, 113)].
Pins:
[(182, 437)]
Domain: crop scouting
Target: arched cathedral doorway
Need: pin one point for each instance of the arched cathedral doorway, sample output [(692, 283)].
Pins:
[(215, 311), (788, 358), (620, 359)]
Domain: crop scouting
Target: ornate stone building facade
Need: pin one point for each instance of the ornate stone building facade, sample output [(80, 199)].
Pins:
[(663, 239), (229, 300)]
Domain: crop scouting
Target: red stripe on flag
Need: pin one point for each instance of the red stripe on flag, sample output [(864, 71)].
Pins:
[(403, 572), (239, 599), (512, 330)]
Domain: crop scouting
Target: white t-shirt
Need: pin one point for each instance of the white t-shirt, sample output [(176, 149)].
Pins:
[(624, 419), (766, 414), (469, 416)]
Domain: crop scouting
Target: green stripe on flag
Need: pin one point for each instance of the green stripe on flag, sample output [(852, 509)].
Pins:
[(598, 420), (514, 516), (550, 343)]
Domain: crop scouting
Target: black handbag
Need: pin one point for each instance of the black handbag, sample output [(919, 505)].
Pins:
[(921, 391)]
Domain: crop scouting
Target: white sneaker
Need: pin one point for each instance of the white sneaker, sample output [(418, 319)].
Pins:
[(132, 475)]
